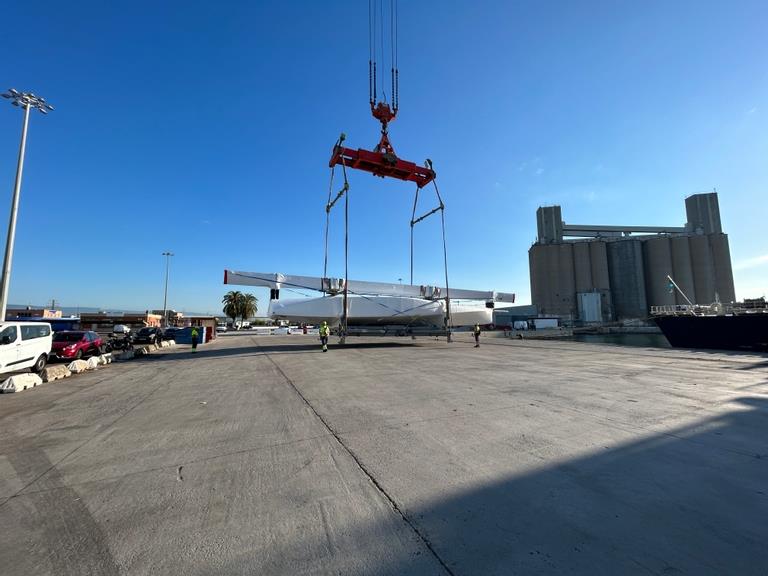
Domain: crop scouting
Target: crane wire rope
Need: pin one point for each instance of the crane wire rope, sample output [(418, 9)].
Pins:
[(392, 48), (346, 253), (381, 40), (413, 216), (441, 208), (377, 54), (393, 41), (448, 319), (328, 223), (371, 53)]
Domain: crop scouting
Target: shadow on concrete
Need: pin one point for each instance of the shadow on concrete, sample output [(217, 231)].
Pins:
[(737, 353), (693, 500), (756, 366), (623, 348), (350, 345), (206, 352)]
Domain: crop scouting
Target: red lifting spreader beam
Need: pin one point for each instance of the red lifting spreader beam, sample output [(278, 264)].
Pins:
[(381, 164)]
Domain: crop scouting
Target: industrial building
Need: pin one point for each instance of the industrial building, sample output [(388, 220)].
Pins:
[(612, 273)]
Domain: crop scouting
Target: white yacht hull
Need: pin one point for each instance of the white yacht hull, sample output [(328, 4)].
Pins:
[(380, 311)]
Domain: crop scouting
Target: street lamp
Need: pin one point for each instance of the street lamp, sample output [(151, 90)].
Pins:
[(27, 101), (165, 296)]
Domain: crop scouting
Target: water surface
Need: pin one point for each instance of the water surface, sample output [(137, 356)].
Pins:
[(644, 340)]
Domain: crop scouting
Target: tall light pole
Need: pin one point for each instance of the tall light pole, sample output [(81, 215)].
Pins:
[(27, 101), (165, 296)]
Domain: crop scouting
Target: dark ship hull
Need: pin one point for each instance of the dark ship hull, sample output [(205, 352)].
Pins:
[(732, 332)]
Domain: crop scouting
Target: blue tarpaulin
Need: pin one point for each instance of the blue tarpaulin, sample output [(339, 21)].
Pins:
[(184, 335)]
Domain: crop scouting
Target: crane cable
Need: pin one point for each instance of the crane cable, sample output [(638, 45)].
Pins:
[(328, 224), (371, 53), (346, 254), (331, 202), (381, 41), (393, 42), (440, 208), (376, 53)]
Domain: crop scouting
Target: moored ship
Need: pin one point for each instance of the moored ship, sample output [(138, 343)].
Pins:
[(738, 326)]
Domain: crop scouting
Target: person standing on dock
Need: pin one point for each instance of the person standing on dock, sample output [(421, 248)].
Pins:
[(476, 332), (195, 335), (324, 332)]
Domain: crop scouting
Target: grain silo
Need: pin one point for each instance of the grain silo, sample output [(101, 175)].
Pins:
[(606, 273)]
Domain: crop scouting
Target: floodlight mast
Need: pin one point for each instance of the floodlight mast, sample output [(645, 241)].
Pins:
[(27, 101), (165, 294)]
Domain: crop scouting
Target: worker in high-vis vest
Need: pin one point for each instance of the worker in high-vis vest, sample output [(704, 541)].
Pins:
[(476, 332), (324, 333), (195, 335)]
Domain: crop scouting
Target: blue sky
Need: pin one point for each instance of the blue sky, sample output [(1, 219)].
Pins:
[(205, 128)]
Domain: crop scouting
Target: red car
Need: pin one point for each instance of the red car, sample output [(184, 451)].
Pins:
[(75, 344)]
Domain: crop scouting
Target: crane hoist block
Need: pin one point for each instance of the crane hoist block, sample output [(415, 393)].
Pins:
[(382, 164)]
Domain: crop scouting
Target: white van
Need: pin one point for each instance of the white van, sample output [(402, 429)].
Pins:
[(24, 345)]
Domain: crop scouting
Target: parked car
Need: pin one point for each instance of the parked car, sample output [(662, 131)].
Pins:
[(74, 344), (24, 345), (221, 328), (148, 335)]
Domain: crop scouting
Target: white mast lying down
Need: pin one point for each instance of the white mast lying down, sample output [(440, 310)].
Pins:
[(373, 303)]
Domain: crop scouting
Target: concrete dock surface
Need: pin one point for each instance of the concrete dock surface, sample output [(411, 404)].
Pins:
[(262, 455)]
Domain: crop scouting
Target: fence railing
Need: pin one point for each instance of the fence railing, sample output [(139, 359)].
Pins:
[(716, 308)]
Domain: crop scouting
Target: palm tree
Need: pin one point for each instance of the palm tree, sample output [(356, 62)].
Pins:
[(231, 301), (238, 304), (249, 305)]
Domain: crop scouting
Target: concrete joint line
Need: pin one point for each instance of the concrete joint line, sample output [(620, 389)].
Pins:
[(362, 468)]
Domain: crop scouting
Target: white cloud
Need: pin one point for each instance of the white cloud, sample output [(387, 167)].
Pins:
[(752, 110), (751, 262)]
